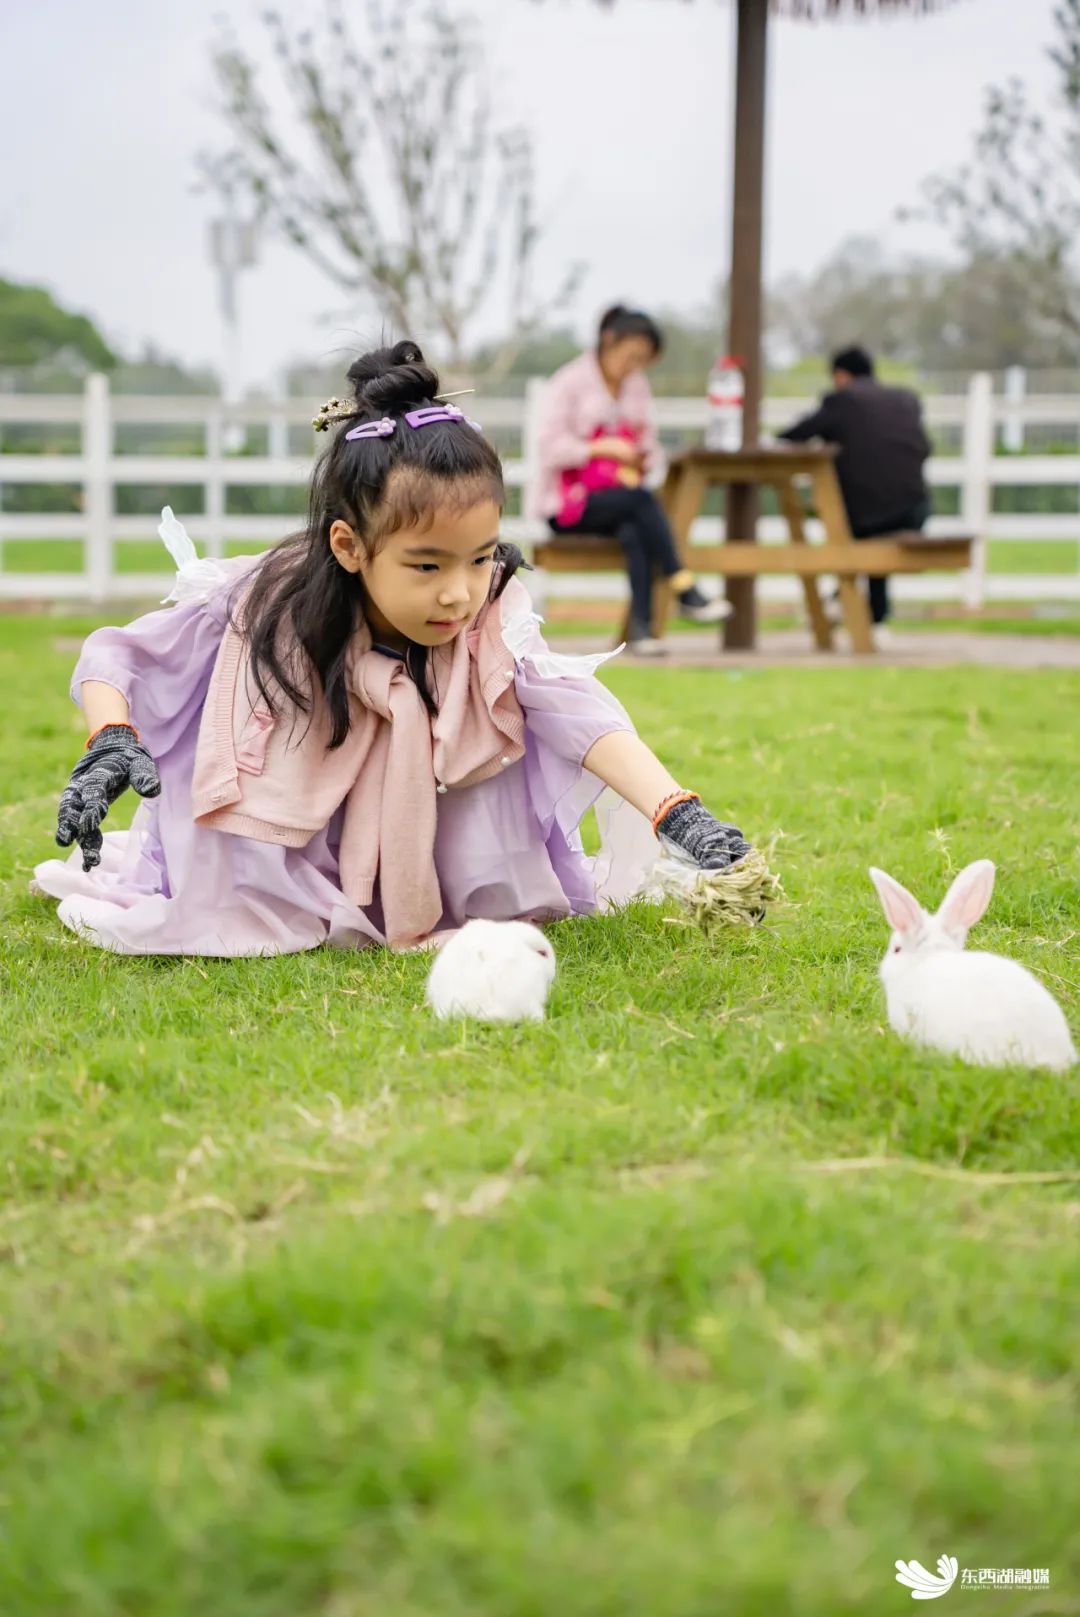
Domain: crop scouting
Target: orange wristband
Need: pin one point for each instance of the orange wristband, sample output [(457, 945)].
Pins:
[(114, 724), (669, 802)]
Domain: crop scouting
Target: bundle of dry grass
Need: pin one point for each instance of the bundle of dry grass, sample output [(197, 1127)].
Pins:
[(715, 899)]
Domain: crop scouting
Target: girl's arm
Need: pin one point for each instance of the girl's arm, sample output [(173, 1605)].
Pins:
[(559, 444), (649, 438), (614, 449), (575, 719), (102, 704), (152, 674), (623, 761)]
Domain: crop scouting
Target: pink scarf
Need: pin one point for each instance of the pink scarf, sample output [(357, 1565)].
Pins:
[(277, 781)]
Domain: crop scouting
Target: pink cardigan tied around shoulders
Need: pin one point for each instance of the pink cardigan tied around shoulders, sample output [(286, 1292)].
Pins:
[(273, 777)]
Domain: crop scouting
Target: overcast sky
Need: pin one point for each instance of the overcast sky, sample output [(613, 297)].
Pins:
[(103, 107)]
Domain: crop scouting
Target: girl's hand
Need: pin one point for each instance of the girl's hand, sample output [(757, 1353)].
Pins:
[(115, 758), (615, 449), (710, 842)]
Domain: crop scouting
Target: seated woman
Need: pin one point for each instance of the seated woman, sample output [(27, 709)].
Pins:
[(596, 443)]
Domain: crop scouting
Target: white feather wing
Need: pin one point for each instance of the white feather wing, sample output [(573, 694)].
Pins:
[(196, 580), (518, 634)]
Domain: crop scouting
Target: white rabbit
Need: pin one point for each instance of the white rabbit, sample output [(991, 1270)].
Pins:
[(496, 971), (989, 1010)]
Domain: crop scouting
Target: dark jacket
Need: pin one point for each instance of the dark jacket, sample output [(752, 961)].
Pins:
[(882, 449)]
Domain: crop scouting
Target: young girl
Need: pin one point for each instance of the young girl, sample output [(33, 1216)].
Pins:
[(596, 438), (359, 737)]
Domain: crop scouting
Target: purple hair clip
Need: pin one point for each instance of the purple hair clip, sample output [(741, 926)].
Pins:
[(431, 413), (373, 429)]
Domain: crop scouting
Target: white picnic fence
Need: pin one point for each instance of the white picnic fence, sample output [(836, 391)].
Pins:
[(977, 418)]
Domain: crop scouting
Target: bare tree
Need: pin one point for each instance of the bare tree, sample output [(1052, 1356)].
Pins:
[(929, 313), (388, 171), (1018, 199)]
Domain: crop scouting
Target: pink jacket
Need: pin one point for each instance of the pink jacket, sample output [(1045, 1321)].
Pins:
[(274, 779), (575, 403)]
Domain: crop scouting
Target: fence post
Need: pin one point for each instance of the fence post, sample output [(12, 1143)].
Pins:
[(97, 486), (214, 494), (534, 388), (1012, 432), (978, 480), (277, 426)]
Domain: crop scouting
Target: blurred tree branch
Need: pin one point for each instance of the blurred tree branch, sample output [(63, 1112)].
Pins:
[(387, 170), (1018, 200), (927, 313)]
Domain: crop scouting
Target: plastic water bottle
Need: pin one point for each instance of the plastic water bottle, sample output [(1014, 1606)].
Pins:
[(724, 420)]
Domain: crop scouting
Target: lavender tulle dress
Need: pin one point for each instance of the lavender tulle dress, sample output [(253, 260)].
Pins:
[(506, 849)]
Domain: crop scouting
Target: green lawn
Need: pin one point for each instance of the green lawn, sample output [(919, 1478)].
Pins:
[(706, 1296), (1033, 556), (1051, 556), (66, 555)]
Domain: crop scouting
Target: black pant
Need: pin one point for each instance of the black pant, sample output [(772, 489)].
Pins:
[(913, 520), (635, 517)]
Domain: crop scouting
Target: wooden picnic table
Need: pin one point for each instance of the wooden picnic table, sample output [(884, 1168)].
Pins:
[(786, 468), (692, 472)]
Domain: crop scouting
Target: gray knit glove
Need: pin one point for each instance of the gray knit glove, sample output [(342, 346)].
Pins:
[(708, 841), (114, 760)]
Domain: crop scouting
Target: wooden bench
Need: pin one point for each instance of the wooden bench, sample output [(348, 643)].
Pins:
[(864, 558), (594, 553)]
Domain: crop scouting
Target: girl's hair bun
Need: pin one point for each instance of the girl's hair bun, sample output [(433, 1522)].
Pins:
[(619, 322), (392, 379)]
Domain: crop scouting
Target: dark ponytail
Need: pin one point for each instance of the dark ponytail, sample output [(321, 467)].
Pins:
[(303, 607), (619, 321)]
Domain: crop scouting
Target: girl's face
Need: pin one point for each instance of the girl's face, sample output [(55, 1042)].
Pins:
[(620, 357), (425, 584)]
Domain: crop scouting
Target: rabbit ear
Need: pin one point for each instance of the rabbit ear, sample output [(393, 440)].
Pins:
[(967, 898), (903, 912)]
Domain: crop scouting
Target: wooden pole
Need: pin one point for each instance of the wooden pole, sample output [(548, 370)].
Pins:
[(740, 629)]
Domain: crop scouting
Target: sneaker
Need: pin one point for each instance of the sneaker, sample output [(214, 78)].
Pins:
[(646, 645), (701, 608), (834, 611), (884, 639)]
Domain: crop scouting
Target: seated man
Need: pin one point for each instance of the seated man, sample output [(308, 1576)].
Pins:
[(882, 452)]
